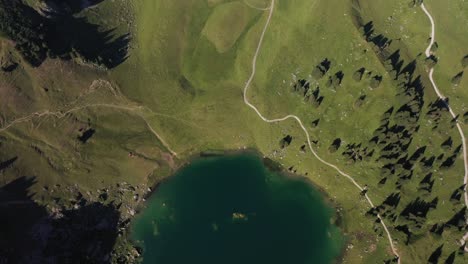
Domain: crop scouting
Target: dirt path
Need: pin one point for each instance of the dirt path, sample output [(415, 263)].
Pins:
[(247, 86), (442, 97), (62, 114)]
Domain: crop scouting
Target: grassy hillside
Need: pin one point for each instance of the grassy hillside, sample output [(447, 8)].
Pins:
[(179, 92)]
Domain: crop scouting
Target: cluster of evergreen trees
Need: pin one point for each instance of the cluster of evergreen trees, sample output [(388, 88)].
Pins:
[(436, 111), (334, 80), (392, 139), (357, 152), (374, 79), (313, 97)]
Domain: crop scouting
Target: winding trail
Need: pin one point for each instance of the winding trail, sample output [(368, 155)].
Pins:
[(246, 101), (443, 98), (134, 109), (62, 114)]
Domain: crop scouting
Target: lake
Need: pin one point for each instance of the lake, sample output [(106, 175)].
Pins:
[(233, 209)]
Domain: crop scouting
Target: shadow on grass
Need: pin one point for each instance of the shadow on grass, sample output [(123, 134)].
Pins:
[(71, 6), (30, 234), (70, 37), (58, 32)]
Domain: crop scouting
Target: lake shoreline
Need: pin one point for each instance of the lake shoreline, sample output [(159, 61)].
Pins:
[(272, 166)]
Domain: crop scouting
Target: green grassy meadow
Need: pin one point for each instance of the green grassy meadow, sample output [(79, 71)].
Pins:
[(184, 77)]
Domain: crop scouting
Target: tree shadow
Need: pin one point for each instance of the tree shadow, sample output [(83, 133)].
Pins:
[(368, 29), (321, 69), (418, 153), (458, 220), (427, 183), (450, 259), (7, 163), (393, 199), (437, 229), (86, 135), (286, 141), (457, 194), (417, 207), (434, 257)]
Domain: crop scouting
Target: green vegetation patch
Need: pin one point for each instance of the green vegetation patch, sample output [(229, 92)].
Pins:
[(226, 24)]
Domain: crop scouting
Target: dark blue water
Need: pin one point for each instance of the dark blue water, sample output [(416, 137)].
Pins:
[(232, 209)]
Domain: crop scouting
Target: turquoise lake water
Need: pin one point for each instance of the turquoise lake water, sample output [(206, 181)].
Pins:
[(232, 209)]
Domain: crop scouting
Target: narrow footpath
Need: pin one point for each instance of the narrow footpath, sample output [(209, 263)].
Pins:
[(454, 116), (246, 101)]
